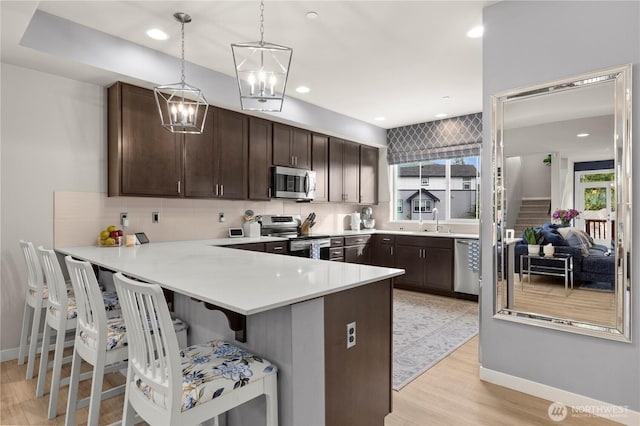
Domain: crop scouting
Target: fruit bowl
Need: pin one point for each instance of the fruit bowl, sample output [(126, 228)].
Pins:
[(111, 237)]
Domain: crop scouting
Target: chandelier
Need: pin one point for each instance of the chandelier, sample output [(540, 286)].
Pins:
[(261, 70), (182, 107)]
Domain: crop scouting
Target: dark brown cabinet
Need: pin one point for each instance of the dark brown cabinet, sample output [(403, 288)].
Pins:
[(368, 175), (383, 250), (357, 249), (291, 146), (144, 158), (320, 164), (248, 246), (427, 261), (147, 160), (277, 247), (260, 143), (232, 147), (200, 160), (344, 173)]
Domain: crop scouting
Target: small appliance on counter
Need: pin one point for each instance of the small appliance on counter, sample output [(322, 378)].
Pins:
[(355, 221), (251, 226), (368, 222)]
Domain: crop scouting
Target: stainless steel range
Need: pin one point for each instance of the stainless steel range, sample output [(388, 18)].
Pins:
[(288, 226)]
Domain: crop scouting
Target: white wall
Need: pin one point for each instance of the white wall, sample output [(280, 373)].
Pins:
[(53, 138), (527, 43), (536, 177)]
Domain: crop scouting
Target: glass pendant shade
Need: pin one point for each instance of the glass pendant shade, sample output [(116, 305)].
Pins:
[(261, 69), (182, 107)]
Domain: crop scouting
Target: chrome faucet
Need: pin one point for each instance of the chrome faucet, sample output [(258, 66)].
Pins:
[(435, 217)]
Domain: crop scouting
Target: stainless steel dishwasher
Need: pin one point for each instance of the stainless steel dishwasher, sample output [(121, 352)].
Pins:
[(467, 262)]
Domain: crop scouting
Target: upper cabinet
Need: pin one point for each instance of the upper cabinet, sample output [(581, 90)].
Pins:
[(344, 173), (320, 165), (144, 158), (231, 159), (368, 175), (232, 147), (147, 160), (260, 133), (291, 146), (200, 160)]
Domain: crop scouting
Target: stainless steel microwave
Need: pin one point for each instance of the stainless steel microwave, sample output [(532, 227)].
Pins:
[(297, 184)]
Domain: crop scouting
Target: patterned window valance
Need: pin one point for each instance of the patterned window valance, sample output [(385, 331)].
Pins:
[(450, 138)]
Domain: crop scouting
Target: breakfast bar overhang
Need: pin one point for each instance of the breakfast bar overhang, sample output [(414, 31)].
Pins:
[(296, 310)]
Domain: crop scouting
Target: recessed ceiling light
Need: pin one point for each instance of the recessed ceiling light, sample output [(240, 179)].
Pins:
[(379, 118), (312, 15), (157, 34), (446, 98), (441, 115), (475, 32), (582, 135), (302, 89)]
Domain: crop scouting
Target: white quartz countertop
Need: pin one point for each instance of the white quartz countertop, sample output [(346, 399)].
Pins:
[(242, 281)]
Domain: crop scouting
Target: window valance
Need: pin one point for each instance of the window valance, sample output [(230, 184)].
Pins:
[(449, 138)]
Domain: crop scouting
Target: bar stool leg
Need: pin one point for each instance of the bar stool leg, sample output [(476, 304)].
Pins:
[(33, 344), (23, 334), (55, 375), (74, 384), (44, 361)]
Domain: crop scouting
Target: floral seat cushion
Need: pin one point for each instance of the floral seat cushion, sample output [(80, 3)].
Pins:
[(117, 333), (211, 370)]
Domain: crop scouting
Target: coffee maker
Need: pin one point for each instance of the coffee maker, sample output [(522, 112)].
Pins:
[(368, 222)]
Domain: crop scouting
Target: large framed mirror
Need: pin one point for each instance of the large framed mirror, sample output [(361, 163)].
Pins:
[(562, 199)]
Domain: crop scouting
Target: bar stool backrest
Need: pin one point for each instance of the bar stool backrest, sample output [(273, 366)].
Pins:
[(92, 316)]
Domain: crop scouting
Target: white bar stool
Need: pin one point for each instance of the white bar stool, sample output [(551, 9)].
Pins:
[(35, 301), (166, 385), (99, 342)]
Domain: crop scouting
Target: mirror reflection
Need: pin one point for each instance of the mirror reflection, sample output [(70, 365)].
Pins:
[(558, 179)]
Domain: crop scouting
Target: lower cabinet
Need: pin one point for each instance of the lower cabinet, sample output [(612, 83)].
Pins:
[(357, 249), (383, 251), (277, 247), (248, 246), (427, 261)]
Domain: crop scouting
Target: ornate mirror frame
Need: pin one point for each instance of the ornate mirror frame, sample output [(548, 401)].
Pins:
[(621, 77)]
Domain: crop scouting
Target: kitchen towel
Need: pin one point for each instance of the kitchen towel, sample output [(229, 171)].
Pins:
[(315, 251)]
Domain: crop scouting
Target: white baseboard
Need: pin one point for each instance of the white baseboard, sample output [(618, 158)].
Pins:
[(9, 354), (581, 406)]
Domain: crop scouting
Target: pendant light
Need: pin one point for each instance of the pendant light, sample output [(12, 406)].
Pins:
[(261, 70), (182, 107)]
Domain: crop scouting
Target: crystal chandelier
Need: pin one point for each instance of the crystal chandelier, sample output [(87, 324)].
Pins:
[(182, 107), (261, 70)]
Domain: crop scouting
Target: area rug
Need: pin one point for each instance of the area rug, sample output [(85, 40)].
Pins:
[(427, 328), (600, 286)]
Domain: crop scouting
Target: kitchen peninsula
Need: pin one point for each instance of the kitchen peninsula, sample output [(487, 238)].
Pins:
[(296, 313)]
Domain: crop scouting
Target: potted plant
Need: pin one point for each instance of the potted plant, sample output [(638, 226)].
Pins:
[(533, 238)]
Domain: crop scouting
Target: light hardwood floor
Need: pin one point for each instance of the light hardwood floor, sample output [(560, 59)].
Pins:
[(450, 393)]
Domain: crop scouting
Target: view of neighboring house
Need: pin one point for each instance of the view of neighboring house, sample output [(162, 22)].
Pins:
[(423, 187)]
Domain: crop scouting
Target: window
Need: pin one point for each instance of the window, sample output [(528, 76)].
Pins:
[(450, 185), (421, 206), (466, 182)]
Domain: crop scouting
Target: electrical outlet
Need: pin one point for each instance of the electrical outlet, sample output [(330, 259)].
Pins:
[(155, 217), (124, 219), (351, 334), (221, 217)]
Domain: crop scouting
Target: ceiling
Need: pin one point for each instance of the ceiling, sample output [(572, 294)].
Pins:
[(362, 59)]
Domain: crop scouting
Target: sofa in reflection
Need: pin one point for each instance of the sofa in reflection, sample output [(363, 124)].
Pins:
[(592, 263)]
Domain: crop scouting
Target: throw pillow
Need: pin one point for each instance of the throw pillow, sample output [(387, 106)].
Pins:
[(580, 239)]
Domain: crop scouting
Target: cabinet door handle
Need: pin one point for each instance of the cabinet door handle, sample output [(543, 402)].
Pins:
[(269, 192), (386, 239), (222, 190), (278, 248), (178, 187), (216, 189), (391, 251)]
